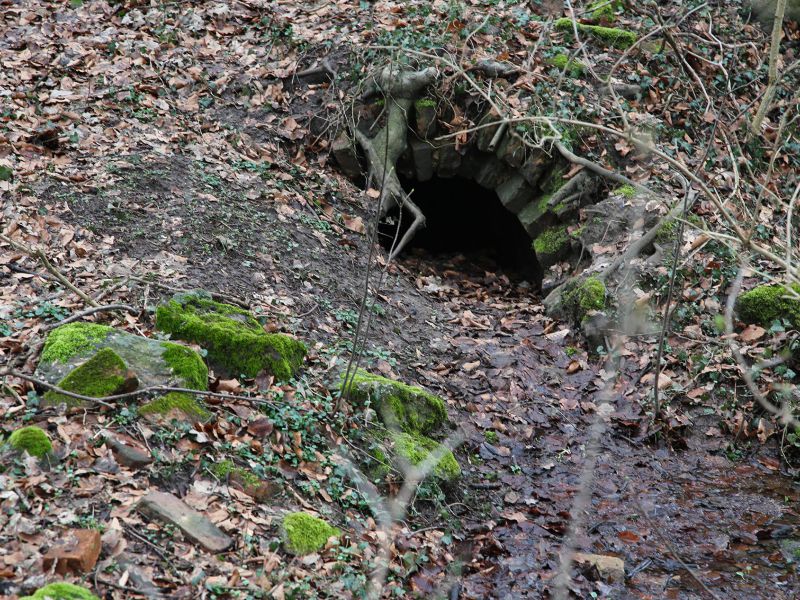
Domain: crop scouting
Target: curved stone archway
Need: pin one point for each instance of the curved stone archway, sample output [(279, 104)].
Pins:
[(529, 182)]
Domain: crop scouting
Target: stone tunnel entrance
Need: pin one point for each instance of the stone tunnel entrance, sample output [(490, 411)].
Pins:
[(464, 218)]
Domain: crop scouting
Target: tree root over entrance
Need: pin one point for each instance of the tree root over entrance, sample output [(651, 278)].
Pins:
[(401, 89)]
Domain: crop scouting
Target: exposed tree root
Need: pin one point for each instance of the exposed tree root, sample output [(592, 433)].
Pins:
[(383, 151)]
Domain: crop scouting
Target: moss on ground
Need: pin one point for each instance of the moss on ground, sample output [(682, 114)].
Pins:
[(415, 449), (610, 36), (73, 339), (102, 375), (304, 533), (767, 303), (61, 591), (176, 401), (581, 297), (32, 440), (411, 408), (186, 364), (234, 339), (551, 241), (562, 62)]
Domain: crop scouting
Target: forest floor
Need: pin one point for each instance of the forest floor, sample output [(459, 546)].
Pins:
[(160, 148)]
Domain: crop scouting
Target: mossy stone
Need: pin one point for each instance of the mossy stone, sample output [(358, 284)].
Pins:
[(415, 449), (61, 591), (581, 297), (627, 191), (562, 62), (176, 402), (154, 362), (104, 374), (73, 339), (767, 303), (610, 36), (304, 533), (411, 408), (551, 245), (32, 440), (236, 342)]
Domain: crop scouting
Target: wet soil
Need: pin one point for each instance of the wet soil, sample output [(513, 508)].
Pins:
[(480, 338)]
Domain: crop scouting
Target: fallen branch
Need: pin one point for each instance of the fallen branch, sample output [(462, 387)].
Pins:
[(103, 401), (91, 311), (39, 254)]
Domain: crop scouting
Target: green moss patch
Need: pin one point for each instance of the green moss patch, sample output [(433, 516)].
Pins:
[(581, 297), (627, 191), (415, 449), (609, 36), (32, 440), (245, 480), (186, 364), (304, 533), (236, 343), (104, 374), (768, 303), (562, 62), (411, 408), (553, 241), (61, 591), (176, 402), (605, 10), (73, 339), (425, 103)]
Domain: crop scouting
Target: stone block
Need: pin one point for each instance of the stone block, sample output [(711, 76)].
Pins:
[(195, 526), (446, 160), (515, 193), (422, 158), (344, 152), (610, 568), (512, 150), (127, 453), (533, 215), (535, 167), (491, 172), (425, 119), (76, 552)]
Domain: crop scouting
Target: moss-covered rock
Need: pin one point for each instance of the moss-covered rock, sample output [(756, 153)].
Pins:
[(61, 591), (411, 408), (176, 405), (73, 339), (414, 449), (609, 36), (552, 245), (562, 62), (236, 342), (154, 362), (304, 533), (627, 191), (764, 304), (244, 479), (186, 364), (32, 440), (104, 374), (582, 296)]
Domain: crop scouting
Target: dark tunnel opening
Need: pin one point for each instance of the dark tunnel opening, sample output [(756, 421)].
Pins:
[(464, 218)]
